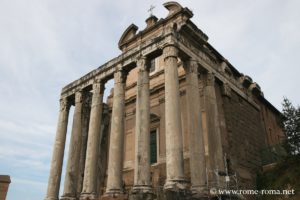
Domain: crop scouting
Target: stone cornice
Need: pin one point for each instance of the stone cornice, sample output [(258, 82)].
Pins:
[(107, 70)]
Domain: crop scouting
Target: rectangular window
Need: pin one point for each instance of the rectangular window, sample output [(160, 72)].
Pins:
[(153, 147), (152, 65)]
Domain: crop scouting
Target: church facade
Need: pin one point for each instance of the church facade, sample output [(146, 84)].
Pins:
[(181, 121)]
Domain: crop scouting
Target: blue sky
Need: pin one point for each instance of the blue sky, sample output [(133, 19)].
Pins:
[(45, 44)]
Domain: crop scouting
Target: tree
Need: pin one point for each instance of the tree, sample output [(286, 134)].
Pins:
[(291, 127)]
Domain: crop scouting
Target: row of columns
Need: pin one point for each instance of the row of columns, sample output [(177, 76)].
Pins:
[(73, 163), (174, 146)]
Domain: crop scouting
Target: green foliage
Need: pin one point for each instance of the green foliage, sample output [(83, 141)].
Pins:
[(284, 176), (291, 127)]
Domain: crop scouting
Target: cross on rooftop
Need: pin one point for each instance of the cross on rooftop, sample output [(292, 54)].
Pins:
[(151, 10)]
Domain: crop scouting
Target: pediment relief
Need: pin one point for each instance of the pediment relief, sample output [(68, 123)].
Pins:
[(128, 34)]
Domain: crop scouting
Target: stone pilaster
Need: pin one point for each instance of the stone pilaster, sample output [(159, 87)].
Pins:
[(89, 190), (215, 153), (116, 145), (142, 179), (174, 147), (71, 179), (58, 151), (196, 138)]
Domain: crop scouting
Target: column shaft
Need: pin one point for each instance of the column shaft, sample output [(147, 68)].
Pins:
[(58, 152), (92, 153), (174, 146), (116, 144), (215, 151), (71, 179), (196, 143), (142, 177), (86, 108)]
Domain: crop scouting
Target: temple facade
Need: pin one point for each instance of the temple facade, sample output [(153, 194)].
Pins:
[(180, 122)]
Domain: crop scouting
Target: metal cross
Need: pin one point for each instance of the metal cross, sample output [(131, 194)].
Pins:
[(151, 10)]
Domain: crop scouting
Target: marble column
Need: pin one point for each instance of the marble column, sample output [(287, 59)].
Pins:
[(116, 145), (72, 170), (58, 151), (196, 138), (142, 179), (174, 146), (92, 152), (215, 152)]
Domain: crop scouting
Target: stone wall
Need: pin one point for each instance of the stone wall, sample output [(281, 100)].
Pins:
[(245, 138)]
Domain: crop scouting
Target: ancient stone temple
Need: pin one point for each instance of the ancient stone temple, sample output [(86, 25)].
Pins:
[(180, 123)]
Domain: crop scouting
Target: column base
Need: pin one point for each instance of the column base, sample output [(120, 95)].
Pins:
[(141, 189), (114, 197), (177, 195), (176, 185), (88, 196), (68, 198), (141, 196), (199, 192), (142, 192), (177, 189), (114, 194)]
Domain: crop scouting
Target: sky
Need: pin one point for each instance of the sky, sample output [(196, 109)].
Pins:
[(46, 44)]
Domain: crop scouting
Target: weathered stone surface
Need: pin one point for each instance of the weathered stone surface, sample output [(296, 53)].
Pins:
[(174, 146), (194, 121), (71, 179), (116, 145), (89, 189), (142, 182), (115, 197), (215, 152), (86, 109), (58, 151)]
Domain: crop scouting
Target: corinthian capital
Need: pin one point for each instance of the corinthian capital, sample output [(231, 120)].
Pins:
[(142, 63), (64, 104), (78, 97), (191, 66), (170, 51), (120, 76), (98, 86), (210, 79)]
